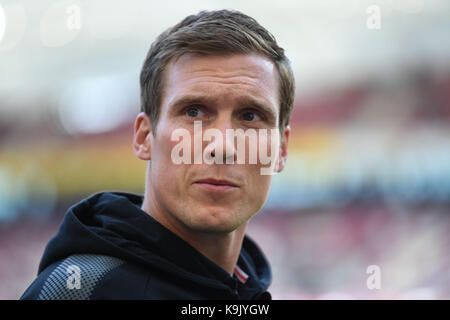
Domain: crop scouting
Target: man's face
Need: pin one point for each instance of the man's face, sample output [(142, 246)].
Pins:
[(223, 92)]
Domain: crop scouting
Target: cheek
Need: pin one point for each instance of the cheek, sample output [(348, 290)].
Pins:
[(259, 184), (161, 153), (165, 173), (257, 188)]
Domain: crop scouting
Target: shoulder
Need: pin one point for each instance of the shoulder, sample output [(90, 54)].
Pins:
[(83, 277)]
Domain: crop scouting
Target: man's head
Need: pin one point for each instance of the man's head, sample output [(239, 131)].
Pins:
[(223, 69), (221, 32)]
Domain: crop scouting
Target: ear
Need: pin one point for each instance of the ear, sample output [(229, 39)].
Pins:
[(282, 157), (141, 139)]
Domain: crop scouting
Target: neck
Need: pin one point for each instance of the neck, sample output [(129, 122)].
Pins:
[(221, 248)]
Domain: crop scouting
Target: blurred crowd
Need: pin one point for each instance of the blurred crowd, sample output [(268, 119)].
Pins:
[(367, 183)]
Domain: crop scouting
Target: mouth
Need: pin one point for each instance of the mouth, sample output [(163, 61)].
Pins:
[(216, 185)]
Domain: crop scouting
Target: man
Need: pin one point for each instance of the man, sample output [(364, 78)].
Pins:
[(185, 238)]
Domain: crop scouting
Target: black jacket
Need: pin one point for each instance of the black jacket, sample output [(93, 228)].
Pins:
[(108, 248)]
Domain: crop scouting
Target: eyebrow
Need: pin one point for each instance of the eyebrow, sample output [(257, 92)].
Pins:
[(246, 101)]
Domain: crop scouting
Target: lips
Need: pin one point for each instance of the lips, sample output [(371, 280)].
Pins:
[(216, 182), (216, 186)]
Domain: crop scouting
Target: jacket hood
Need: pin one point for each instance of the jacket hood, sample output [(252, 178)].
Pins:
[(112, 223)]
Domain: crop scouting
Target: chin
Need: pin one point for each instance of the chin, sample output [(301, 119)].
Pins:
[(220, 220)]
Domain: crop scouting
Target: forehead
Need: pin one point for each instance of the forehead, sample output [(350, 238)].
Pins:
[(230, 75)]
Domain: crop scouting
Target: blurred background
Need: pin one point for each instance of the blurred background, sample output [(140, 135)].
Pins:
[(368, 174)]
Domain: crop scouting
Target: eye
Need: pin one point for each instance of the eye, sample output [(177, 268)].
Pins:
[(193, 112), (250, 116)]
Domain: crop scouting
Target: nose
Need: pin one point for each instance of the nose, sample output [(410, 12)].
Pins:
[(222, 149)]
